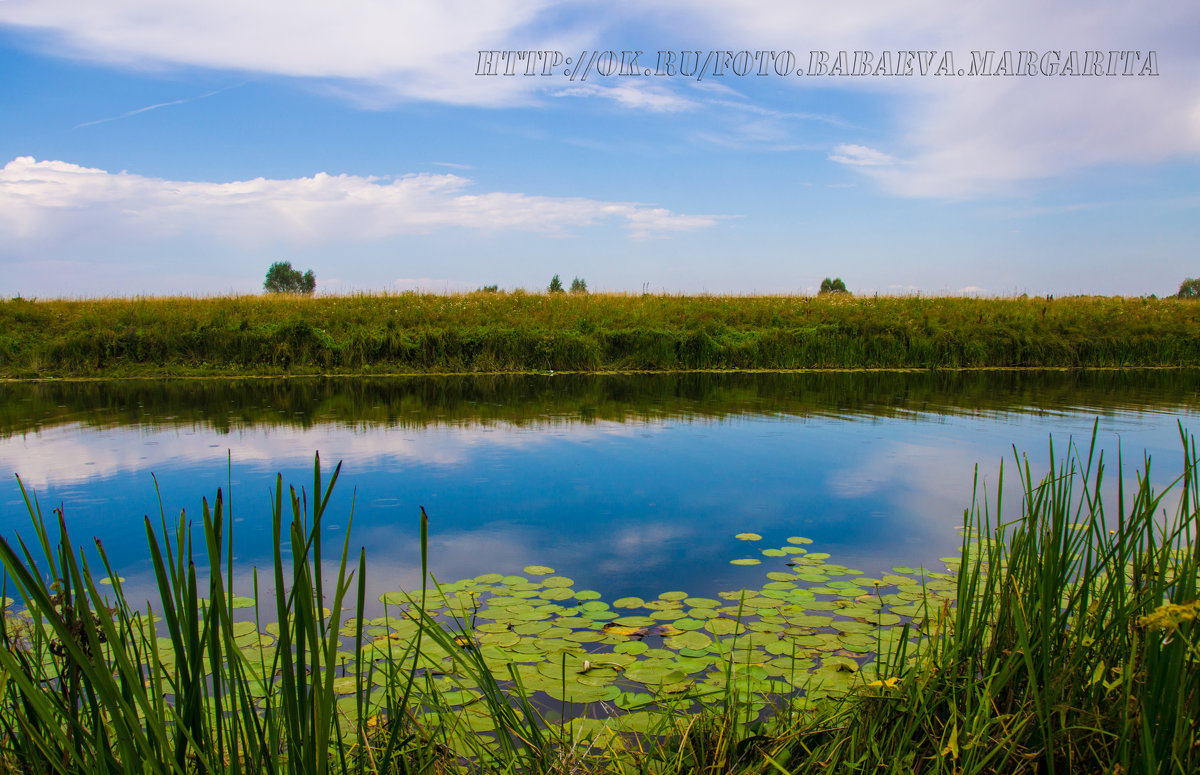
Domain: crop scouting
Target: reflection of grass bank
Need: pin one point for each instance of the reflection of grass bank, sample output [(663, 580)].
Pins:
[(420, 401), (1065, 642), (488, 332)]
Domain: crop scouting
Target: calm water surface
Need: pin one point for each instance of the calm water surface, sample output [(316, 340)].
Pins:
[(628, 484)]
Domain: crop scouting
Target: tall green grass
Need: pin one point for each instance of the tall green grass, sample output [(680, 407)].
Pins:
[(1071, 646), (490, 332)]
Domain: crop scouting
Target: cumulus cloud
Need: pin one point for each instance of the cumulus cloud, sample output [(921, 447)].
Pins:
[(55, 202)]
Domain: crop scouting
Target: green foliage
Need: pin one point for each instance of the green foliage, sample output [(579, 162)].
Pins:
[(556, 285), (1189, 288), (1065, 640), (579, 286), (489, 289), (833, 286), (282, 278), (1074, 644), (525, 332)]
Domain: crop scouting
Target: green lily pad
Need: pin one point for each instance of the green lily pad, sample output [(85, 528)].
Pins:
[(799, 540), (688, 623), (724, 627), (654, 675), (688, 640), (559, 581), (628, 602), (538, 570), (748, 537), (745, 561)]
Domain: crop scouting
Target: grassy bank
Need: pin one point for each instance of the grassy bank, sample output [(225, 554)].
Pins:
[(520, 332), (1062, 640)]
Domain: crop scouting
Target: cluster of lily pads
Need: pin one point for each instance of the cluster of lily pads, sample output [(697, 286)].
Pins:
[(815, 628)]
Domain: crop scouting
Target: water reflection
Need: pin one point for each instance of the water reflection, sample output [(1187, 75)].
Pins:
[(629, 484)]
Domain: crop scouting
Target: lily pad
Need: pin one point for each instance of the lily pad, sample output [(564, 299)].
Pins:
[(654, 675), (688, 640), (724, 627), (538, 570), (745, 561), (631, 647), (748, 537), (688, 623)]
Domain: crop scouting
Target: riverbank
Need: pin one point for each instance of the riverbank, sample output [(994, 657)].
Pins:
[(523, 332)]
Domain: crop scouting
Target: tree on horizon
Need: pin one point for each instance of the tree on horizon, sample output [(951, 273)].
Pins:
[(282, 278)]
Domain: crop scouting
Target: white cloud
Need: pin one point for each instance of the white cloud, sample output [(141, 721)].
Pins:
[(55, 202), (954, 137), (968, 137), (860, 156), (382, 52), (654, 100)]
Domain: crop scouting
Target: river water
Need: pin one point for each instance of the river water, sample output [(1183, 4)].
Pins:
[(629, 484)]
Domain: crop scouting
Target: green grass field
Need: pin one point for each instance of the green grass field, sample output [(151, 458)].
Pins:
[(523, 332)]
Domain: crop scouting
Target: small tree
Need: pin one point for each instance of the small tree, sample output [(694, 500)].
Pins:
[(1190, 288), (833, 286), (579, 285), (282, 278), (555, 285)]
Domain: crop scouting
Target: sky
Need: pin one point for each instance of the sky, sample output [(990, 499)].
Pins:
[(151, 148)]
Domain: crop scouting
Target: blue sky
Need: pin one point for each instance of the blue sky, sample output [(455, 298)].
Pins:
[(151, 148)]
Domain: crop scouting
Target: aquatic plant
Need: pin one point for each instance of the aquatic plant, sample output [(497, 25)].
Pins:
[(1062, 640)]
